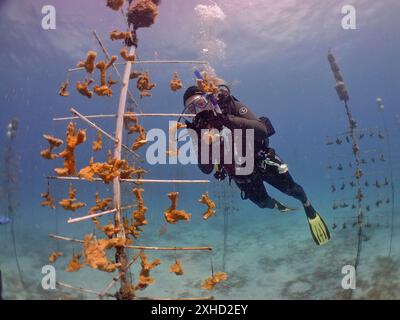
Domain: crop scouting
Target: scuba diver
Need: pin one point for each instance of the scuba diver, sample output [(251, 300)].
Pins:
[(224, 111)]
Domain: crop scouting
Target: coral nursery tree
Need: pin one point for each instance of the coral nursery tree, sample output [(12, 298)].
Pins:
[(119, 234)]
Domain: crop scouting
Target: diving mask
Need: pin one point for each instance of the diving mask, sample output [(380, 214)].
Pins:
[(223, 92), (198, 103)]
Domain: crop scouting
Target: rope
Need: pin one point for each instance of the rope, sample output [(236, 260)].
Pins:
[(391, 182)]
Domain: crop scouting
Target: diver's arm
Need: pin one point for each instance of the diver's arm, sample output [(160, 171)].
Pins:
[(241, 117), (234, 122)]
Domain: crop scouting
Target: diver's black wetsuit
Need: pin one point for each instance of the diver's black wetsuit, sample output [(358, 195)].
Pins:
[(268, 166)]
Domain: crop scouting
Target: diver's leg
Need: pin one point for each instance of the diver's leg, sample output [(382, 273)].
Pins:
[(253, 188), (275, 172), (279, 177), (285, 183)]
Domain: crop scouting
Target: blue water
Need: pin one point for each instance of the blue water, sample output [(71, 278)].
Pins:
[(274, 55)]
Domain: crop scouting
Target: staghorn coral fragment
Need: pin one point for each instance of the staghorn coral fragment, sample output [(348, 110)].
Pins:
[(144, 277), (115, 4), (144, 85), (210, 282), (102, 91), (176, 268), (83, 88), (119, 35), (142, 13), (172, 215), (176, 83), (101, 204), (134, 75), (140, 214), (75, 263), (102, 66), (136, 127), (88, 64), (54, 256), (95, 252), (132, 226), (110, 82), (48, 200), (125, 55), (208, 84), (113, 59), (98, 143), (63, 89), (53, 143), (104, 88), (73, 140), (107, 171), (109, 230), (70, 203), (210, 206), (127, 172)]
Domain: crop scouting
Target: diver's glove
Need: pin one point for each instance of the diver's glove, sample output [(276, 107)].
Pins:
[(220, 174), (207, 118), (189, 125)]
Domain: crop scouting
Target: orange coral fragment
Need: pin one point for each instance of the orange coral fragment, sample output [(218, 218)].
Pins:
[(119, 35), (115, 4), (75, 263), (111, 82), (176, 83), (142, 13), (172, 215), (95, 255), (73, 140), (54, 256), (210, 206), (70, 203), (176, 268), (101, 204), (88, 64), (107, 171), (63, 89), (140, 214), (98, 143), (136, 127), (83, 88), (104, 88), (48, 200), (207, 84), (144, 277), (210, 282), (53, 143), (132, 226), (102, 91), (144, 85), (126, 56), (134, 75)]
